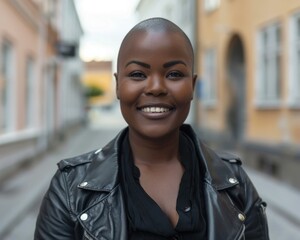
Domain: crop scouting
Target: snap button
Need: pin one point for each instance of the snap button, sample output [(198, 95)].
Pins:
[(241, 217), (84, 217), (83, 184), (99, 150), (187, 209), (232, 180), (232, 160)]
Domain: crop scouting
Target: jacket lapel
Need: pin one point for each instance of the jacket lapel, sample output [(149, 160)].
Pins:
[(223, 218), (104, 217)]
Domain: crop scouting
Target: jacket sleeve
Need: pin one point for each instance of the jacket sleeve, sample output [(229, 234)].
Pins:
[(54, 220), (256, 226)]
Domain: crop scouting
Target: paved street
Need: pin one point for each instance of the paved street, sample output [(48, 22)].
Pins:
[(20, 197)]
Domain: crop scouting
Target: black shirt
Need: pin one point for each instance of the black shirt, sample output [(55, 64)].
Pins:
[(146, 219)]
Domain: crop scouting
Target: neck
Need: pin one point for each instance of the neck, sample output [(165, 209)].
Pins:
[(149, 151)]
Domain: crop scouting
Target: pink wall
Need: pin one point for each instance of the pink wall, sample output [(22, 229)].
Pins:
[(23, 32)]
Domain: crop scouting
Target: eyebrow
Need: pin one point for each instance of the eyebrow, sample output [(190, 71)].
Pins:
[(138, 63), (172, 63)]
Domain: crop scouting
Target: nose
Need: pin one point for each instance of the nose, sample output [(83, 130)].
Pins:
[(156, 86)]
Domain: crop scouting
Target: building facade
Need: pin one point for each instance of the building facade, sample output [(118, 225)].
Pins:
[(250, 85), (20, 86), (33, 77)]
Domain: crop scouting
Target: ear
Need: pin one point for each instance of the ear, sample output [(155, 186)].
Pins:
[(194, 84), (117, 85)]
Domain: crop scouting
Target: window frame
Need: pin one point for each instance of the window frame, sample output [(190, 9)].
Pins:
[(8, 73), (269, 66), (293, 99), (211, 5), (30, 77), (209, 89)]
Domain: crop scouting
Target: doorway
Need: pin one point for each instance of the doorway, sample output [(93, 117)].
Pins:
[(236, 89)]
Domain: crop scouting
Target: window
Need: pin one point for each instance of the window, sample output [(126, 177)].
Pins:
[(211, 5), (30, 93), (294, 63), (209, 78), (6, 87), (269, 66)]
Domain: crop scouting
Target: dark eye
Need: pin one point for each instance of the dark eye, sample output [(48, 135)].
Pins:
[(137, 75), (175, 75)]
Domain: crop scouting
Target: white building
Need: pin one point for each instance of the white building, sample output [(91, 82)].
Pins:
[(71, 94), (64, 107), (181, 12)]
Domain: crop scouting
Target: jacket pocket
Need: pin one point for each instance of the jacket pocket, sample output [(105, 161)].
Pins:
[(262, 206)]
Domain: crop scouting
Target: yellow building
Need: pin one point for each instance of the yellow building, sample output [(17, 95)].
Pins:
[(248, 64), (98, 74)]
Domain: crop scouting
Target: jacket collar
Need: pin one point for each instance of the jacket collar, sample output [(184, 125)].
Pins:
[(102, 174), (219, 208), (217, 172)]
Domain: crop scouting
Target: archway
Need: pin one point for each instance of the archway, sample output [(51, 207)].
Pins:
[(236, 84)]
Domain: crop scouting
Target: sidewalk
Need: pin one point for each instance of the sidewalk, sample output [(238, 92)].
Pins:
[(20, 194)]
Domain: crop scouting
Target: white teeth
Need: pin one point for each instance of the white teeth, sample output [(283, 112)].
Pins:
[(155, 109)]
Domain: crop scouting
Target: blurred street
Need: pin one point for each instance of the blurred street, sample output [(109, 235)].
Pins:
[(20, 196)]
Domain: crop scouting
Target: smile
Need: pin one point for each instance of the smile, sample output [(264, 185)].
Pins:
[(155, 109)]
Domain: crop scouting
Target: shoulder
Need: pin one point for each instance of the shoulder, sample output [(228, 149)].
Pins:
[(71, 171), (221, 156), (208, 151), (97, 155), (76, 161), (229, 157)]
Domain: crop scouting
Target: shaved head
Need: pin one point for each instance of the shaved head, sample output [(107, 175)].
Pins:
[(155, 25)]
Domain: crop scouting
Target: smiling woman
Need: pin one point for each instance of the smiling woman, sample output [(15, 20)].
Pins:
[(145, 81), (155, 179)]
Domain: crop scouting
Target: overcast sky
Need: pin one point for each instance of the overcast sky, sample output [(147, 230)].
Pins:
[(105, 22)]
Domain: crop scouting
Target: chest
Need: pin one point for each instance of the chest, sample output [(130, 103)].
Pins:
[(163, 188), (223, 221)]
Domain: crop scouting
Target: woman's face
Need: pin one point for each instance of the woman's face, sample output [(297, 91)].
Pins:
[(155, 82)]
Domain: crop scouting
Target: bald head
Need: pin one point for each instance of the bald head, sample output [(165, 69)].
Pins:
[(155, 25)]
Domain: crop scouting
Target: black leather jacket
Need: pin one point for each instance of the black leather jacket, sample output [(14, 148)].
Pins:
[(85, 200)]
